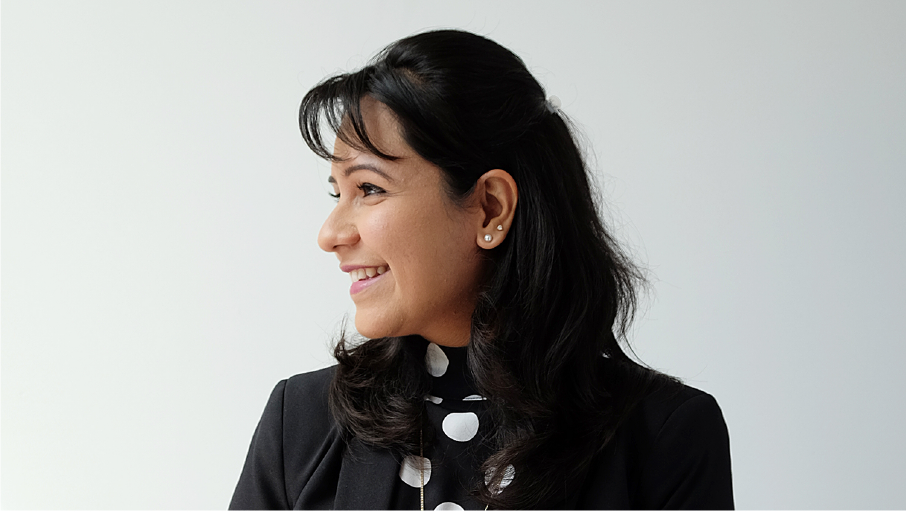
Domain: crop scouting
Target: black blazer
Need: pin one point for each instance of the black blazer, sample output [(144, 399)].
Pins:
[(672, 452)]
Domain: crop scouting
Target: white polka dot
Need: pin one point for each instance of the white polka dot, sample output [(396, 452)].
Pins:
[(436, 360), (434, 399), (409, 470), (448, 505), (460, 426), (509, 473), (472, 398)]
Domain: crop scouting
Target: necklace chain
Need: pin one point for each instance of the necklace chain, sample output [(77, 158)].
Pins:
[(421, 474)]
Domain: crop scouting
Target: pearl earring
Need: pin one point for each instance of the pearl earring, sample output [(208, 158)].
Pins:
[(487, 238), (500, 227)]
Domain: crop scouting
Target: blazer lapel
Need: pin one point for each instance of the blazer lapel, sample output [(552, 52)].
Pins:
[(367, 478)]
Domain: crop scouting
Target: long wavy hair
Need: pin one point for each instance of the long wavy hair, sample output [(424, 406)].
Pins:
[(559, 292)]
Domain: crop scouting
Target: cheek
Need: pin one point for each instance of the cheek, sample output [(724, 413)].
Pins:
[(393, 235), (427, 247), (451, 252)]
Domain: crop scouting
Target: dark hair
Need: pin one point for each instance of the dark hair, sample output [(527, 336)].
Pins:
[(544, 344)]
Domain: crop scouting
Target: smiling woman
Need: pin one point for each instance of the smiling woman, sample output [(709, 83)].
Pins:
[(491, 300)]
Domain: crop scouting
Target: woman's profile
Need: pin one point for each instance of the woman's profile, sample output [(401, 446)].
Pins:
[(493, 307)]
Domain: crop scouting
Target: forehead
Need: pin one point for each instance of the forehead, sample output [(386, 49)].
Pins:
[(381, 128), (408, 169)]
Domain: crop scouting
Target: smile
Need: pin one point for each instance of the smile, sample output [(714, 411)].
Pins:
[(365, 277), (361, 274)]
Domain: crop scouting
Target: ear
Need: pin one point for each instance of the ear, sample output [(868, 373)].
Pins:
[(496, 194)]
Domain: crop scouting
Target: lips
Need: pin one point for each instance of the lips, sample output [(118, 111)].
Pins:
[(363, 276)]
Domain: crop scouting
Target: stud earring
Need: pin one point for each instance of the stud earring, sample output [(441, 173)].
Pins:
[(487, 238), (500, 227)]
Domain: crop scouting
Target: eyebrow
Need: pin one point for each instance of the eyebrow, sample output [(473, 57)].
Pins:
[(362, 167)]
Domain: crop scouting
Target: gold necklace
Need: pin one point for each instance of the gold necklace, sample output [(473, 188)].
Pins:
[(421, 475)]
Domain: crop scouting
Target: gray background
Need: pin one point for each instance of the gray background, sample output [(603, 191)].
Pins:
[(159, 213)]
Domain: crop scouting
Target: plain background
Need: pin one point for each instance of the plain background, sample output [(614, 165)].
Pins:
[(159, 214)]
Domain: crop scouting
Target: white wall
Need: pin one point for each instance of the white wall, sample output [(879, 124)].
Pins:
[(159, 214)]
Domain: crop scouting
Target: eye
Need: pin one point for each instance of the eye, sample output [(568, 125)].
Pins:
[(368, 189), (335, 196)]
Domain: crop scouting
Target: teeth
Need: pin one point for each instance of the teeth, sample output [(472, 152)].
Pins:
[(365, 273)]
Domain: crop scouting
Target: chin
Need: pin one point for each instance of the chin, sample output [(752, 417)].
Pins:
[(371, 329)]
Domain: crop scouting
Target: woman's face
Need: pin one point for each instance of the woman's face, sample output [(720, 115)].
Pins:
[(412, 254)]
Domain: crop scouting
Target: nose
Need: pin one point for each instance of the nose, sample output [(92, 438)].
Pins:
[(337, 231)]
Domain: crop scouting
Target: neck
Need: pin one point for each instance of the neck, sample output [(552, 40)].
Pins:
[(450, 335)]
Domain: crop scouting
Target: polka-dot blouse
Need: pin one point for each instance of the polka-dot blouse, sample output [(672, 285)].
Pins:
[(449, 469)]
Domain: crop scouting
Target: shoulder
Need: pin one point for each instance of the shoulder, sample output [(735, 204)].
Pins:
[(651, 404), (683, 447), (671, 450), (294, 437), (673, 405), (309, 386), (670, 416), (303, 393), (304, 401)]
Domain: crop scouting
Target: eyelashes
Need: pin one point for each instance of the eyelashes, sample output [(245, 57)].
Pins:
[(367, 189)]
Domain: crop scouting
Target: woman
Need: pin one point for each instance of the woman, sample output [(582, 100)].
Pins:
[(491, 299)]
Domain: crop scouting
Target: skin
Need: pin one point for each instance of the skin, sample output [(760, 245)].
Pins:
[(397, 214)]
